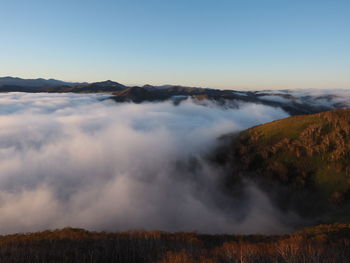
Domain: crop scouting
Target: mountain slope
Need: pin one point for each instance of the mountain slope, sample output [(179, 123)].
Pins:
[(302, 162), (308, 150), (103, 86), (137, 95)]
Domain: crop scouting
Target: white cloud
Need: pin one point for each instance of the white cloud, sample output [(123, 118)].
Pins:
[(72, 160), (276, 99), (332, 99)]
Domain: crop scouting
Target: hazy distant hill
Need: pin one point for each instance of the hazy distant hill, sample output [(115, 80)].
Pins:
[(96, 87), (32, 84), (290, 101), (226, 98)]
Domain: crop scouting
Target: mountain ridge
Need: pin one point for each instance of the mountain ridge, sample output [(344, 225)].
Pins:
[(294, 105), (37, 83)]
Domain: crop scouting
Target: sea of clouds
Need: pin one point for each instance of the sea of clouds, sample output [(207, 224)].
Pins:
[(82, 161), (331, 98)]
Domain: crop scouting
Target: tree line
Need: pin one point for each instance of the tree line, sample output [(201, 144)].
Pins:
[(324, 243)]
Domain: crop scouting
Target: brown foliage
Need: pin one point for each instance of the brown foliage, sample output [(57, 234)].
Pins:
[(325, 243)]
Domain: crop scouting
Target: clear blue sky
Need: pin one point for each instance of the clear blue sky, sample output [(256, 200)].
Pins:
[(245, 44)]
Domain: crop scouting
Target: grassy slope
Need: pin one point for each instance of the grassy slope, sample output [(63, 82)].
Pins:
[(308, 150), (302, 163)]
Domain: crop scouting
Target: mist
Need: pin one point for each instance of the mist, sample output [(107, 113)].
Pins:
[(329, 98), (83, 161)]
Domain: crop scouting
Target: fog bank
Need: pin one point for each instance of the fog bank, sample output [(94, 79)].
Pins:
[(74, 160)]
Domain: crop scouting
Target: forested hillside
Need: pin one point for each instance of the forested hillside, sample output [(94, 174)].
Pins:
[(325, 243), (303, 162)]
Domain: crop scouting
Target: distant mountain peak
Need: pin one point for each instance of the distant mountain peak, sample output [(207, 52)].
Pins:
[(38, 83)]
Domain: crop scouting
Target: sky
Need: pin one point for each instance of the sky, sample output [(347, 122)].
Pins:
[(236, 44)]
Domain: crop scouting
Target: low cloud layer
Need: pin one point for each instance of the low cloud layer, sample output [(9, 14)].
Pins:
[(75, 160), (331, 99)]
